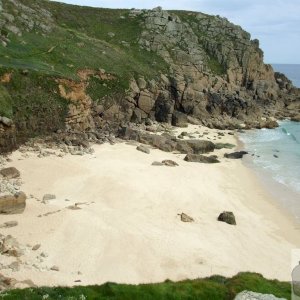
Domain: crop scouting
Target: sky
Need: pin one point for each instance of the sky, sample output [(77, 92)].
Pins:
[(276, 23)]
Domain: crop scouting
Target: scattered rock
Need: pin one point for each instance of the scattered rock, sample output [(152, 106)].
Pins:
[(9, 224), (235, 155), (48, 197), (169, 163), (157, 163), (185, 218), (9, 246), (54, 268), (224, 145), (10, 173), (227, 217), (201, 158), (36, 247), (247, 295), (13, 204), (143, 148)]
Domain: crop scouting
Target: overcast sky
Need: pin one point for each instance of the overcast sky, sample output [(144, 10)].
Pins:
[(276, 23)]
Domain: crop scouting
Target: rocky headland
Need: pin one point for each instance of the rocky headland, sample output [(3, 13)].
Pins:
[(139, 66)]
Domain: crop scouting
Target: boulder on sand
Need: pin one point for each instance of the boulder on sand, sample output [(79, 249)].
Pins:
[(227, 217), (13, 204), (235, 155), (10, 173), (201, 158)]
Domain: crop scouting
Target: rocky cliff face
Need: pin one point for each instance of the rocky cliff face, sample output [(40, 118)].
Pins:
[(168, 66)]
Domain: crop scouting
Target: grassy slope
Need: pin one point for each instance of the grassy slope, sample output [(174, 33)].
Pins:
[(212, 288), (79, 40)]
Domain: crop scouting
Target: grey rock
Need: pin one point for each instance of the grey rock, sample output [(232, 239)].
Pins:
[(169, 163), (179, 119), (235, 155), (143, 149), (185, 218), (157, 163), (227, 217), (247, 295), (36, 247), (13, 204), (201, 158), (9, 224), (10, 173), (54, 268), (48, 197), (9, 246), (224, 145), (6, 121)]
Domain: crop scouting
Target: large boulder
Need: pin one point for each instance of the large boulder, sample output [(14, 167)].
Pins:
[(10, 173), (179, 119), (235, 155), (13, 204), (247, 295), (227, 217), (201, 158), (200, 146)]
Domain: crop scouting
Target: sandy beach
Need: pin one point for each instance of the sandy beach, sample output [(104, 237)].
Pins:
[(126, 227)]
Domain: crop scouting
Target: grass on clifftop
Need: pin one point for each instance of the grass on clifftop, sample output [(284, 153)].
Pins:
[(80, 39), (213, 288)]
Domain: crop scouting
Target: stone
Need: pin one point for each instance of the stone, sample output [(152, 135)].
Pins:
[(9, 224), (179, 119), (6, 121), (157, 163), (247, 295), (224, 145), (235, 155), (142, 83), (13, 204), (145, 102), (143, 149), (200, 146), (10, 173), (54, 268), (185, 218), (201, 158), (227, 217), (169, 163), (9, 246), (36, 247), (48, 197)]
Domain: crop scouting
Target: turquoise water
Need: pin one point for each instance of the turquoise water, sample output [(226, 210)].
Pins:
[(276, 155), (291, 71)]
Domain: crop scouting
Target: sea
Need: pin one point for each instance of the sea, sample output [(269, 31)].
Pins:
[(275, 154)]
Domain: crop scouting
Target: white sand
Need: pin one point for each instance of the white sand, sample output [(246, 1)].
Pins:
[(129, 230)]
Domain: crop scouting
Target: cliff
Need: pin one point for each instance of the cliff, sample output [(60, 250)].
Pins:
[(71, 69)]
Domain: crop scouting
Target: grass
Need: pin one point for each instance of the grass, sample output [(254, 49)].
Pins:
[(5, 103), (212, 288)]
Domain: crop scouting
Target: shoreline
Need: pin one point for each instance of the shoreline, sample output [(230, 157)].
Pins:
[(127, 229), (277, 191)]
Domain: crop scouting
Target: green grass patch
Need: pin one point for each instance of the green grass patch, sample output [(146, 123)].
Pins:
[(213, 288), (5, 103)]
